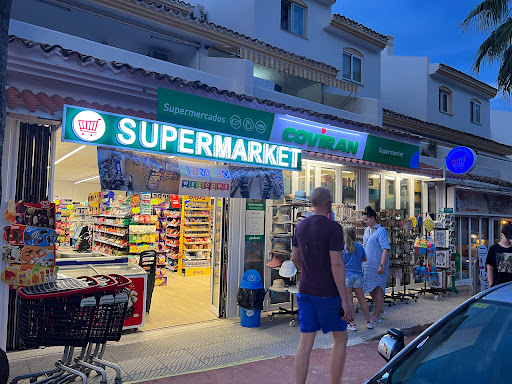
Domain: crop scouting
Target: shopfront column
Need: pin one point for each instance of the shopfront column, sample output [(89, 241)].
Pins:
[(362, 190)]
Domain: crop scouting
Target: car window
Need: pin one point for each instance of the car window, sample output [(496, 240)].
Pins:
[(474, 346)]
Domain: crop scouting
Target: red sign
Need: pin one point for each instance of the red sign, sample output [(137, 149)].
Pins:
[(135, 312), (175, 201)]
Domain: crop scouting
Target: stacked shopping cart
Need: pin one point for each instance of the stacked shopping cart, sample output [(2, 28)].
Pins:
[(85, 313)]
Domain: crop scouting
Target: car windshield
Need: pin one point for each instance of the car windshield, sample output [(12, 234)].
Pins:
[(474, 346)]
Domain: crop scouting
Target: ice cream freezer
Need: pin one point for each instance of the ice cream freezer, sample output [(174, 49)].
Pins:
[(136, 313)]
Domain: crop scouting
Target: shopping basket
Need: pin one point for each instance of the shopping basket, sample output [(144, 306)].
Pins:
[(57, 314)]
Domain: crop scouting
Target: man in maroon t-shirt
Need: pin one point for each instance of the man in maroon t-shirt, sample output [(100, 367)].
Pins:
[(322, 298)]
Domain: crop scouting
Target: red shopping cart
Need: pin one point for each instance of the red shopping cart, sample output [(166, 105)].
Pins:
[(85, 312)]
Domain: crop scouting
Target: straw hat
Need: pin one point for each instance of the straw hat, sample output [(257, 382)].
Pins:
[(283, 219), (281, 247), (300, 197), (288, 269), (278, 285), (277, 260), (281, 231), (294, 289), (288, 198), (305, 214)]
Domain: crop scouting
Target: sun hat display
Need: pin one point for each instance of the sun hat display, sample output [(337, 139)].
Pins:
[(278, 285), (281, 231), (295, 289), (281, 247), (305, 214), (278, 202), (254, 257), (283, 219), (277, 260), (288, 269), (288, 198), (300, 197), (280, 213)]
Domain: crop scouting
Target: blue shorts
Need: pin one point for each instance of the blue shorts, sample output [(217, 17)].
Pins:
[(317, 313), (354, 281)]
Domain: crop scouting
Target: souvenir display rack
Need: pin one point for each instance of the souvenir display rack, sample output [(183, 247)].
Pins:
[(195, 242), (401, 256), (435, 266)]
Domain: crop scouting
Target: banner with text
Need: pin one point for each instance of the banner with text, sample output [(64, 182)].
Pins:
[(141, 172)]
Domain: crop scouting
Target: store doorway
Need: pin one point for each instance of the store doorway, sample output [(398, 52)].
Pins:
[(176, 299)]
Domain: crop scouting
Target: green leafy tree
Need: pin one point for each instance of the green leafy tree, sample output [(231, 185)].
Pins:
[(494, 16)]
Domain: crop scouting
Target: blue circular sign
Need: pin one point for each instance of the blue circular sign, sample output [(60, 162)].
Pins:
[(460, 160)]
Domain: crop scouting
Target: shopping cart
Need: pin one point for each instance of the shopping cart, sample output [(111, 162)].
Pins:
[(85, 312)]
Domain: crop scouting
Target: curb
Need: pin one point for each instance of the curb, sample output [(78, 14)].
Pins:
[(408, 332)]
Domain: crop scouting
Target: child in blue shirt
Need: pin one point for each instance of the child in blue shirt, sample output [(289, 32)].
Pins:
[(353, 257)]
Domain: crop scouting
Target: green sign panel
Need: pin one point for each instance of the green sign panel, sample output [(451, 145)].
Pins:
[(212, 115), (385, 151), (86, 126)]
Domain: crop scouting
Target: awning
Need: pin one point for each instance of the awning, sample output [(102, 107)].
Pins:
[(424, 169), (327, 77)]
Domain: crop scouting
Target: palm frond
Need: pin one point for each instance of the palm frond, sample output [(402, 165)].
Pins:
[(493, 48), (505, 73), (487, 15)]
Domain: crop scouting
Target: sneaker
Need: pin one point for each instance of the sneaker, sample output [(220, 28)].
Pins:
[(352, 327), (369, 325)]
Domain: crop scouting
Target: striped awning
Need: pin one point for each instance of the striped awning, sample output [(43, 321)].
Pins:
[(296, 69)]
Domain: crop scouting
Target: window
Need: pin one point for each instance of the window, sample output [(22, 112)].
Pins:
[(328, 180), (389, 188), (374, 192), (352, 66), (475, 115), (445, 100), (348, 187), (293, 17)]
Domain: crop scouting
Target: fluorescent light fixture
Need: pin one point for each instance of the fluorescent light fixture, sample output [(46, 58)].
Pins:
[(313, 162), (390, 178), (375, 176), (171, 157), (90, 178), (414, 176), (70, 153), (347, 171)]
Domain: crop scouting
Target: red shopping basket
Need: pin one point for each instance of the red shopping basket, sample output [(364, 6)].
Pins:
[(120, 307), (104, 308), (58, 314)]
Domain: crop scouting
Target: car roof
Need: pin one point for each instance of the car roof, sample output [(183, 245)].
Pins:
[(503, 294)]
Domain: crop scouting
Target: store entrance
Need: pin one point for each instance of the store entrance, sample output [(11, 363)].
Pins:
[(121, 225)]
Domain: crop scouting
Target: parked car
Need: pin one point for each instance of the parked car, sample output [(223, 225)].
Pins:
[(472, 344)]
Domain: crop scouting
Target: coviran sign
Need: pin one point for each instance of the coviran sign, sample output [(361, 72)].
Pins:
[(92, 127), (316, 137)]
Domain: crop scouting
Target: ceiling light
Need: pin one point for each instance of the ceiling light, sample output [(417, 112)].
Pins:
[(69, 154), (389, 178), (347, 171), (171, 157), (375, 176), (90, 178), (313, 162), (414, 176)]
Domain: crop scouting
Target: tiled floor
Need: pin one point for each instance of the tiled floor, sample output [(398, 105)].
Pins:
[(217, 343), (184, 300)]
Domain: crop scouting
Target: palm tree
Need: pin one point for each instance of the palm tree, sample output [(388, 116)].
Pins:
[(494, 16), (5, 14)]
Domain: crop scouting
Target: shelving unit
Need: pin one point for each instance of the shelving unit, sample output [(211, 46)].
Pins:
[(196, 222), (109, 238), (143, 235), (63, 212)]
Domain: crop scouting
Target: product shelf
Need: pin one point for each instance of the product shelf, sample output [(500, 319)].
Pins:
[(198, 209), (111, 224), (111, 233), (110, 243), (197, 223), (113, 216)]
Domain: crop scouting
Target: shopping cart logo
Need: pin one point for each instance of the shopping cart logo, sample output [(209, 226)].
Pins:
[(458, 163), (89, 126)]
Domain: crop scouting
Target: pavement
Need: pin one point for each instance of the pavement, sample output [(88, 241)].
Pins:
[(221, 351)]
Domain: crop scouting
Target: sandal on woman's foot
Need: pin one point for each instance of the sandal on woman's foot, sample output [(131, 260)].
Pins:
[(352, 327), (369, 325), (376, 321)]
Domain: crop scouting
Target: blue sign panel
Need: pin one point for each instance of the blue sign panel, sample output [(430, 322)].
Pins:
[(461, 160)]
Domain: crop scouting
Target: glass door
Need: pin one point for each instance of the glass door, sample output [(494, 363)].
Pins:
[(217, 258)]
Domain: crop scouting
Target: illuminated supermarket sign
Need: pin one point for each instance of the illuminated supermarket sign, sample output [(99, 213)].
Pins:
[(322, 138), (86, 126)]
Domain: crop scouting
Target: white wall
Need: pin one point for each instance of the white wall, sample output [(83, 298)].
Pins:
[(501, 127), (404, 85), (265, 25), (461, 96), (76, 192), (240, 72)]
